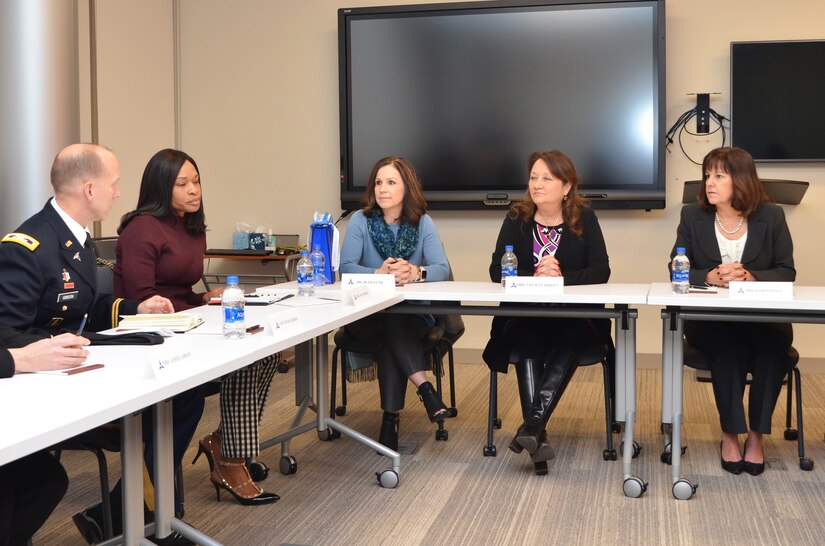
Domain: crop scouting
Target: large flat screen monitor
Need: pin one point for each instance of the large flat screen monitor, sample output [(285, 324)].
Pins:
[(466, 91), (778, 99)]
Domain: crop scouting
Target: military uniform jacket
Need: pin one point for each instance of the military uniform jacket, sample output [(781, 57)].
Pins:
[(49, 280)]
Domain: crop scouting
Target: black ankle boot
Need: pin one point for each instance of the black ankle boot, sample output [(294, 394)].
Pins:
[(558, 370), (436, 410), (389, 431)]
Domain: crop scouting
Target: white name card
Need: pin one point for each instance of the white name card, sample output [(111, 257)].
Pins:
[(357, 295), (166, 361), (284, 322), (761, 291), (536, 285), (373, 280)]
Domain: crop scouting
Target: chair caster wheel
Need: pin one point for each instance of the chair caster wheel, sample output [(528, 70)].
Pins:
[(388, 478), (328, 434), (287, 465), (340, 411), (806, 464), (283, 367), (683, 489), (636, 448), (634, 487), (496, 423), (609, 455), (257, 471), (441, 435), (489, 451), (791, 434)]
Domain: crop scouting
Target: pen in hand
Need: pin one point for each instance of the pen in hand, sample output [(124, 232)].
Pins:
[(82, 323)]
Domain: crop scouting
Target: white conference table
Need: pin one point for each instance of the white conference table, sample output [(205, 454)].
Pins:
[(47, 409), (469, 297), (807, 306)]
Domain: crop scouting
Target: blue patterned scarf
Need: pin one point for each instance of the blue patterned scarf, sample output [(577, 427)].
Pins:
[(387, 244)]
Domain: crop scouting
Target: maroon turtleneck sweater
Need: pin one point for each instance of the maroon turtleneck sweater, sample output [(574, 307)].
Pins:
[(157, 256)]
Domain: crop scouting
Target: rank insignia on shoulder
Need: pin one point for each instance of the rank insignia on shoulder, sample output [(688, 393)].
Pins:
[(22, 239)]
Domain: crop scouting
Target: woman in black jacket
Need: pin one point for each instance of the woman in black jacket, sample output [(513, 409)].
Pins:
[(732, 233), (553, 233)]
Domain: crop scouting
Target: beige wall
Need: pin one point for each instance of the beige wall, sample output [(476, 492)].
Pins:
[(259, 111)]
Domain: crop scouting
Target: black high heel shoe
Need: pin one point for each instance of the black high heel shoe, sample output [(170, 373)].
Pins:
[(436, 410), (261, 497), (734, 467), (754, 469)]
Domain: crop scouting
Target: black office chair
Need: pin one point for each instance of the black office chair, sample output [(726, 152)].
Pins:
[(438, 343), (105, 248), (694, 358), (603, 354)]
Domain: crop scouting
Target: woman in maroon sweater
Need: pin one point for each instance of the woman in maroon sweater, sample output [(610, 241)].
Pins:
[(160, 251)]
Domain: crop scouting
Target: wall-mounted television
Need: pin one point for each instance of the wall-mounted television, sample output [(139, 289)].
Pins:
[(778, 99), (466, 91)]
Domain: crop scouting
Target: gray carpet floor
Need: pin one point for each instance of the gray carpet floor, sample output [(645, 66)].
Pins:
[(450, 494)]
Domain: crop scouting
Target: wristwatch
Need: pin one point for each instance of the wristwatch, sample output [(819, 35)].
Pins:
[(422, 274)]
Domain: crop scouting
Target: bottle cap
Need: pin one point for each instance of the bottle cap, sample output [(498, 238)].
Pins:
[(508, 248), (316, 247), (305, 253), (232, 279), (680, 250)]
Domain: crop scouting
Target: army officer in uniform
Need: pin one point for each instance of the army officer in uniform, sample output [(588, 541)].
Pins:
[(50, 283)]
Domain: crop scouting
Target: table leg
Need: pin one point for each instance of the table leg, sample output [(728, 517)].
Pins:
[(131, 460), (326, 425), (672, 385), (164, 472), (625, 330)]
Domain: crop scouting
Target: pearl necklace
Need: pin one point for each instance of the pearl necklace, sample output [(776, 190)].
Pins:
[(733, 231)]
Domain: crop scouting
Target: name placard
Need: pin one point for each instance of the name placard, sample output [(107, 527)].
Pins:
[(166, 361), (534, 285), (761, 291), (284, 322), (373, 280), (357, 295)]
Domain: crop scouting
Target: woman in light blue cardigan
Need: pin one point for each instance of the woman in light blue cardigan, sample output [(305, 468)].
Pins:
[(392, 234)]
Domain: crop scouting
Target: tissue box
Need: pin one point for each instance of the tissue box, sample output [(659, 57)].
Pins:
[(240, 240), (257, 241)]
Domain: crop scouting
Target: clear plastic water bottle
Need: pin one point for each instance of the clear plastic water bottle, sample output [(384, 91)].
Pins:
[(305, 283), (232, 303), (318, 263), (509, 264), (680, 272)]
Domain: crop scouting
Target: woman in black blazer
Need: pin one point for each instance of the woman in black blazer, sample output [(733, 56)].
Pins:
[(732, 233), (554, 234)]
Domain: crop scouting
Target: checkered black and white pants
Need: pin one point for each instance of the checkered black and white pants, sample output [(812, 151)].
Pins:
[(243, 397)]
